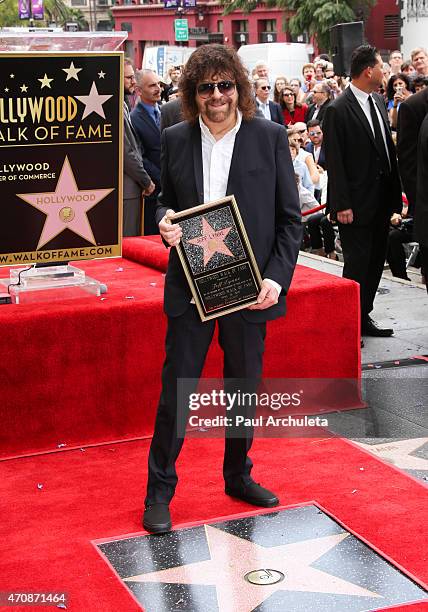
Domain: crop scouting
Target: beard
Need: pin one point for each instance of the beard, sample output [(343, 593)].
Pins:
[(217, 112)]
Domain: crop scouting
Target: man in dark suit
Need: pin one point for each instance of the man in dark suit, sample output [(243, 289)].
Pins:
[(171, 113), (136, 181), (221, 149), (146, 121), (321, 96), (411, 116), (363, 182), (271, 110)]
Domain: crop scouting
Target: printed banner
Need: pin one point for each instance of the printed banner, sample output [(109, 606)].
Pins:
[(24, 11), (61, 157), (37, 9)]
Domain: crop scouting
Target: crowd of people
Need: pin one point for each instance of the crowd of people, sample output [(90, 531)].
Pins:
[(317, 153), (300, 104)]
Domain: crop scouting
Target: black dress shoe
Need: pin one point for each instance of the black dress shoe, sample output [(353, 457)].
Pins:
[(157, 519), (371, 328), (254, 494)]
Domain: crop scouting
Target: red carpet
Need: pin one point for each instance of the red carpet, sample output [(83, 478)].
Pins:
[(46, 533), (88, 371)]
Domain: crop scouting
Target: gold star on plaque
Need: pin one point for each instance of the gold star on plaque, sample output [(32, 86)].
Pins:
[(24, 88), (46, 81), (101, 74), (71, 72)]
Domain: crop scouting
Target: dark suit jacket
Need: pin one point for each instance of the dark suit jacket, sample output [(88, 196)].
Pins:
[(410, 116), (262, 180), (171, 113), (321, 113), (321, 159), (135, 177), (149, 135), (421, 209), (276, 114), (355, 174)]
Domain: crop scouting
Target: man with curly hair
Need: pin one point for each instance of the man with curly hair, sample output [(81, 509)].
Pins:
[(220, 149)]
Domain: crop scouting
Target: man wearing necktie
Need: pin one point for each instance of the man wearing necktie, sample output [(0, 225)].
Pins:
[(270, 110), (135, 178), (363, 181), (146, 121)]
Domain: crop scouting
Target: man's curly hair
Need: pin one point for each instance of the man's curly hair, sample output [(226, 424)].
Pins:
[(206, 62)]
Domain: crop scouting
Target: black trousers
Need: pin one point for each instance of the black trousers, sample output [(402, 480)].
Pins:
[(364, 252), (187, 344), (321, 230), (396, 257), (424, 261), (150, 225)]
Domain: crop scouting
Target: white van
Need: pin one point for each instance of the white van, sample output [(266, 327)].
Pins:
[(285, 59), (163, 57)]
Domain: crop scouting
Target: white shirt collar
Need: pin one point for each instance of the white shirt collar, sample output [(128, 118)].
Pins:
[(361, 95), (206, 132)]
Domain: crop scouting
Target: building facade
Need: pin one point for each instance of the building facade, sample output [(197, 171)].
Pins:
[(149, 23)]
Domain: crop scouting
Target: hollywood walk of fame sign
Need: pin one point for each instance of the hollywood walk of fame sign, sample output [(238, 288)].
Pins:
[(217, 258), (61, 156)]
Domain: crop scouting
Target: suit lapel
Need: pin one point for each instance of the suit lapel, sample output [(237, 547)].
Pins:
[(383, 114), (197, 161), (149, 121), (358, 111), (240, 152)]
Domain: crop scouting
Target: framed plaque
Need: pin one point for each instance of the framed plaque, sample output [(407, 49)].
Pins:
[(217, 258)]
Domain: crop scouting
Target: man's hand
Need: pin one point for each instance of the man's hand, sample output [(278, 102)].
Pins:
[(150, 189), (170, 232), (345, 216), (395, 219), (267, 297)]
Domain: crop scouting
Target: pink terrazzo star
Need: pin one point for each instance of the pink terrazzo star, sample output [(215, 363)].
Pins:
[(233, 557), (66, 207), (211, 241)]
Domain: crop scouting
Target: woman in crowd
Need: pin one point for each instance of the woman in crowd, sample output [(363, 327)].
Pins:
[(280, 83), (292, 110), (296, 87), (304, 156), (320, 70), (398, 90)]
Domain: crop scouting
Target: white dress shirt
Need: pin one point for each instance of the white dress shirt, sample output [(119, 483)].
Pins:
[(264, 107), (216, 160), (363, 100)]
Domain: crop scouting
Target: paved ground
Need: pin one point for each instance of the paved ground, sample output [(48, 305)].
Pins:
[(399, 304), (394, 426)]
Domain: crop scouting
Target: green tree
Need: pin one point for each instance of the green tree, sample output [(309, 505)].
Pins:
[(55, 12), (315, 17)]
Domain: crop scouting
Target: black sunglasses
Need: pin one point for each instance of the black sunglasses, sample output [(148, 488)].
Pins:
[(266, 87), (206, 90)]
